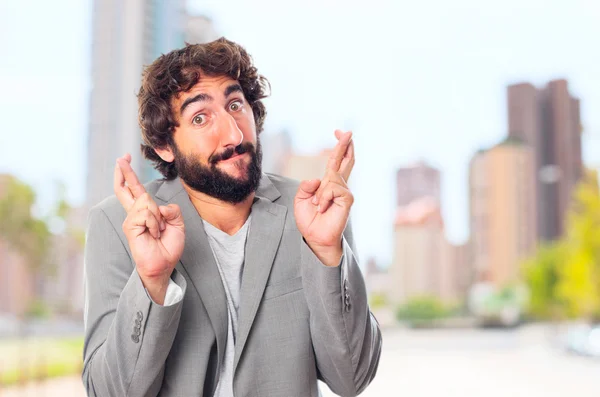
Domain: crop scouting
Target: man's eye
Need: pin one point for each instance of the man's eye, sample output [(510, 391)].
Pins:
[(198, 119), (235, 106)]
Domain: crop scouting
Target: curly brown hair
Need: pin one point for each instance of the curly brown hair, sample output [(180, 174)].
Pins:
[(177, 72)]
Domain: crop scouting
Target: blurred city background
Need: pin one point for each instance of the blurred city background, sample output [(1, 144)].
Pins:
[(477, 133)]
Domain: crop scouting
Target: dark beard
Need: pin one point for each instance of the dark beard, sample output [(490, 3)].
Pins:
[(210, 180)]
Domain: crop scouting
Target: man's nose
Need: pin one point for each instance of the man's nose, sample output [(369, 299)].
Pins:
[(229, 131)]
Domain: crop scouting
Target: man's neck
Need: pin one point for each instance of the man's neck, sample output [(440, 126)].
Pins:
[(225, 216)]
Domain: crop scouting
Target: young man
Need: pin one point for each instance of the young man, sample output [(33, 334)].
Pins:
[(219, 280)]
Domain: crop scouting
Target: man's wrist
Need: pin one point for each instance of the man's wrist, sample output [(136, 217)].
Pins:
[(156, 287), (329, 256)]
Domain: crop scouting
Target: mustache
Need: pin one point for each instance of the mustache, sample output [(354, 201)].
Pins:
[(228, 153)]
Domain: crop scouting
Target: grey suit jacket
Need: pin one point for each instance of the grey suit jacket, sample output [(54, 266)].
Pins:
[(299, 320)]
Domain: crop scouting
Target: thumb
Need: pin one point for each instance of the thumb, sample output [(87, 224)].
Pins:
[(171, 213), (308, 188)]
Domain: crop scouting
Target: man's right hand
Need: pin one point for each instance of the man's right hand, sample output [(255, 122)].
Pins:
[(156, 235)]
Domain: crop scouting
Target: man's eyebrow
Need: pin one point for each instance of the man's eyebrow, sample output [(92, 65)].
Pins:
[(233, 88), (197, 98)]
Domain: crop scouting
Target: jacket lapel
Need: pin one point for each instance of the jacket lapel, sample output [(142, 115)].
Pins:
[(264, 236), (199, 262)]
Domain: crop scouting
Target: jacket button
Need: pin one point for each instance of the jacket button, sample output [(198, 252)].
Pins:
[(135, 338), (347, 301), (139, 315)]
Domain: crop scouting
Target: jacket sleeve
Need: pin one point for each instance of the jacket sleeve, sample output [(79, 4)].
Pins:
[(346, 337), (127, 335)]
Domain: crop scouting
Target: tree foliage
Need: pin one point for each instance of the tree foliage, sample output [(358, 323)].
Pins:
[(26, 234), (564, 276), (422, 310), (579, 275)]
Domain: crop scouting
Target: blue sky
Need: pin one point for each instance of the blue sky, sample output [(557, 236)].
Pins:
[(414, 80)]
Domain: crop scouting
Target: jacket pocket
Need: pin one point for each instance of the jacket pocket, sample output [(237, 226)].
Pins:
[(282, 288)]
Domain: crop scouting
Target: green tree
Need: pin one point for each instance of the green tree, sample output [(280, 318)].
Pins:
[(23, 232), (422, 310), (564, 276), (378, 300), (579, 276), (541, 274)]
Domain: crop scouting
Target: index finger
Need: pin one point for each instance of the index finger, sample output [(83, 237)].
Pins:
[(347, 162), (121, 191), (337, 156), (137, 189)]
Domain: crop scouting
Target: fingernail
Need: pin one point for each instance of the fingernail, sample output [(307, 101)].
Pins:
[(319, 208), (315, 200), (162, 225), (159, 234)]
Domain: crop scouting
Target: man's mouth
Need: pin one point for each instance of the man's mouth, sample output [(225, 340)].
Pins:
[(233, 158)]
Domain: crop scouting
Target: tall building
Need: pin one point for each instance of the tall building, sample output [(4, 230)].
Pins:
[(126, 36), (502, 210), (417, 181), (418, 250), (454, 272), (548, 119), (424, 262)]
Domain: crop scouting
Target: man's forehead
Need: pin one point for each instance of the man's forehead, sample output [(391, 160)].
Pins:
[(208, 84), (207, 89)]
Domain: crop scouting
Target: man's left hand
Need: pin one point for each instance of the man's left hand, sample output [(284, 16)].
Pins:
[(322, 206)]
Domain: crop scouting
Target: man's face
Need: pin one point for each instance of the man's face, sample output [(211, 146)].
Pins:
[(217, 151)]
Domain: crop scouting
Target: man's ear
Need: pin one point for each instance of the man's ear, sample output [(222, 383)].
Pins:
[(165, 153)]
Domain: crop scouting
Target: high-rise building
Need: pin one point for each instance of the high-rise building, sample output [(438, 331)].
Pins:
[(418, 249), (454, 272), (126, 36), (502, 210), (548, 120), (417, 181), (424, 261)]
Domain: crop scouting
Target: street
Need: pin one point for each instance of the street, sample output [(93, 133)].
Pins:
[(461, 363)]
